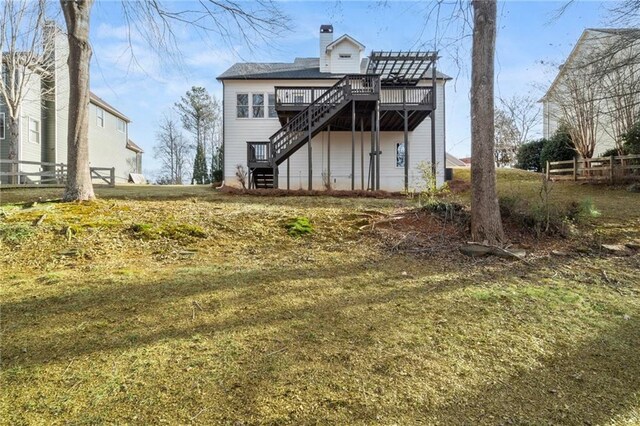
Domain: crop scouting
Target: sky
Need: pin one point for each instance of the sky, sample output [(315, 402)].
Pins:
[(531, 42)]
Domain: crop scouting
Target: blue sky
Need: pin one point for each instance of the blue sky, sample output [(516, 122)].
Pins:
[(531, 42)]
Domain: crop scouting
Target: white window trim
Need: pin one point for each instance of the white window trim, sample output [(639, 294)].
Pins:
[(124, 125), (98, 109), (31, 119), (4, 125), (248, 117), (396, 155), (265, 105)]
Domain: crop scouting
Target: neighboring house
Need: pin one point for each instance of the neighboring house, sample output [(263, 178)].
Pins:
[(455, 161), (586, 84), (372, 120), (43, 122)]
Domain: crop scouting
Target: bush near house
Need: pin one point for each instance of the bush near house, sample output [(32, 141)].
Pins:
[(534, 155), (528, 156), (630, 143)]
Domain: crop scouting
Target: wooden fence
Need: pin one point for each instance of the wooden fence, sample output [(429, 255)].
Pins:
[(26, 174), (612, 169)]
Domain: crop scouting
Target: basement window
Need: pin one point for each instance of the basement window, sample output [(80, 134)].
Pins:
[(345, 56), (400, 155)]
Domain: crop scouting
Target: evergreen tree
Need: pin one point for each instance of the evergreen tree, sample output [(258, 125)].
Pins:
[(200, 174)]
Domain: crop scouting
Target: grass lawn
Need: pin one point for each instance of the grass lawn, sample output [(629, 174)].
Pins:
[(172, 305)]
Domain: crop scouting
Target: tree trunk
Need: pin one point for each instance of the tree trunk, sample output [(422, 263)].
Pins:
[(486, 224), (13, 127), (76, 15)]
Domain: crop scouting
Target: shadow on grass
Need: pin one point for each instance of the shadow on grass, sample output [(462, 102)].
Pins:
[(578, 384)]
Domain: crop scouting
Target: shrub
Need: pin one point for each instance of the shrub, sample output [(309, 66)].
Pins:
[(558, 148), (528, 156), (299, 226), (15, 233), (631, 140), (241, 175)]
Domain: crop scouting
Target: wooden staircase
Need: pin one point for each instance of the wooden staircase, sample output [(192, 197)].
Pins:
[(305, 125)]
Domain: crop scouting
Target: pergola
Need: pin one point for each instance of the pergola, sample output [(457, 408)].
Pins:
[(401, 68)]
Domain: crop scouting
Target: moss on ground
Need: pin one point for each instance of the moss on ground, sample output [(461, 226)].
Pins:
[(251, 326)]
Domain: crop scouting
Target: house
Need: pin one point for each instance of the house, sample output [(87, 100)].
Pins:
[(43, 122), (372, 121), (599, 83)]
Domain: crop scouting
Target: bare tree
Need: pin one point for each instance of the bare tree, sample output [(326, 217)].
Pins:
[(24, 45), (154, 20), (524, 113), (507, 139), (486, 223), (173, 150)]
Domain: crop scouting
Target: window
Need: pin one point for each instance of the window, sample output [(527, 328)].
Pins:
[(34, 130), (258, 105), (345, 56), (242, 105), (1, 125), (272, 105), (99, 117), (121, 125), (400, 155)]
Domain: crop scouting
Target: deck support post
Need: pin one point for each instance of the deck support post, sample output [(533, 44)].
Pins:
[(275, 176), (288, 174), (433, 120), (353, 145), (362, 153), (370, 181), (329, 157), (378, 145), (309, 154), (406, 150)]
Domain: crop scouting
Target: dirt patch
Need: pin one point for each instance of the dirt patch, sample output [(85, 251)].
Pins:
[(312, 193)]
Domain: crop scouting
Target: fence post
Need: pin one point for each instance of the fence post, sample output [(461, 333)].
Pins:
[(611, 168), (547, 170), (112, 177), (575, 168)]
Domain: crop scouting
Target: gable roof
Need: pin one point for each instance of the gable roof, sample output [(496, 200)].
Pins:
[(133, 147), (96, 100), (343, 38), (633, 32), (299, 69)]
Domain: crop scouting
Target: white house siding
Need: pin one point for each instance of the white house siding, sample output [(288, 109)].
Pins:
[(107, 145), (552, 113), (345, 65), (61, 95), (238, 131), (31, 108)]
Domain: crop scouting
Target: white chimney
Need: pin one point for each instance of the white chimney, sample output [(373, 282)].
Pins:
[(326, 38)]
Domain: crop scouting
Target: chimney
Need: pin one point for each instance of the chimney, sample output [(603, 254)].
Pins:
[(326, 37)]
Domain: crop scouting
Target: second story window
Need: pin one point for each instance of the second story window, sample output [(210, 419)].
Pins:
[(242, 105), (34, 130), (121, 125), (272, 105), (99, 117), (2, 125), (258, 105)]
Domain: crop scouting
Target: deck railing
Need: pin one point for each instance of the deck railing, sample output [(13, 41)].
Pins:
[(301, 97), (14, 173), (622, 167), (259, 154)]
